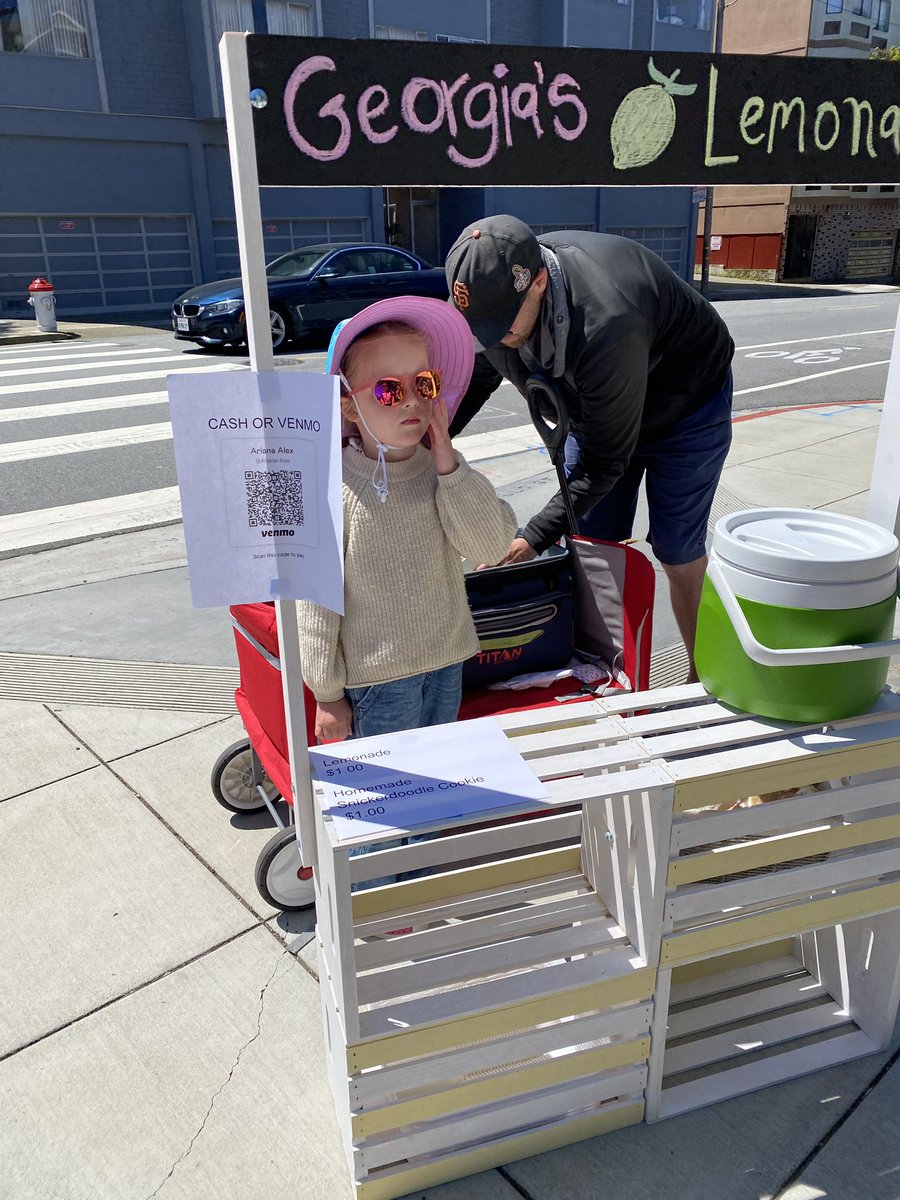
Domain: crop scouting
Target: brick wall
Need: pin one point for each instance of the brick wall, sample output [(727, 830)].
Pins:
[(345, 18), (145, 57)]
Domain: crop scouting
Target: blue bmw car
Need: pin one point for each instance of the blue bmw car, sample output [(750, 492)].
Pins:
[(309, 290)]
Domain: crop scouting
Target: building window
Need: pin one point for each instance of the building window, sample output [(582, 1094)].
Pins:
[(857, 29), (396, 33), (668, 241), (883, 19), (696, 14), (834, 6), (832, 27), (282, 16), (448, 37), (862, 8), (57, 28)]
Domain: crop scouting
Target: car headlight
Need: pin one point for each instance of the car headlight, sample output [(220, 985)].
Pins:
[(223, 306)]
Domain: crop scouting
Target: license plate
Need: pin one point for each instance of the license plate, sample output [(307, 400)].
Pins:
[(183, 324)]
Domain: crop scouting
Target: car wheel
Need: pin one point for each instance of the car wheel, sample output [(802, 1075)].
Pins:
[(282, 330)]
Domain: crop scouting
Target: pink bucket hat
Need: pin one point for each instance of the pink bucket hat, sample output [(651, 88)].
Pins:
[(451, 349)]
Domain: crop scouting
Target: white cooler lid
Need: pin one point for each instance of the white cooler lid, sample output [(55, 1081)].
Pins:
[(806, 545)]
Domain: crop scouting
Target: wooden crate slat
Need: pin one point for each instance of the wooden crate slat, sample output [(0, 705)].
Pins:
[(775, 887), (778, 994), (499, 1007), (702, 828), (781, 848), (432, 1072), (669, 720), (681, 696), (388, 1185), (701, 943), (735, 970), (507, 1116), (448, 885), (748, 1077), (508, 1085), (568, 738), (770, 1030), (554, 913), (536, 720), (459, 967), (598, 760)]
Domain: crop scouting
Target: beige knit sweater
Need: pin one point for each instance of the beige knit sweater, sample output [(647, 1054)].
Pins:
[(405, 608)]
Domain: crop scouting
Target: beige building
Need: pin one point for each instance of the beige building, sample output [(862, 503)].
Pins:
[(827, 234)]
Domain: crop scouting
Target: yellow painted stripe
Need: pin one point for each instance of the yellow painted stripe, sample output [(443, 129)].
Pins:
[(683, 947), (456, 1100), (462, 1031), (729, 962), (415, 892), (799, 772), (732, 860), (497, 1153)]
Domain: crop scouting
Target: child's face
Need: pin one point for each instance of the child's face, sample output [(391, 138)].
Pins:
[(402, 425)]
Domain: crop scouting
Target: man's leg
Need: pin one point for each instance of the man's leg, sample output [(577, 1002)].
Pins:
[(685, 585)]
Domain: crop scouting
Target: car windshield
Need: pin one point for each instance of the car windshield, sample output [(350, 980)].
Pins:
[(298, 262)]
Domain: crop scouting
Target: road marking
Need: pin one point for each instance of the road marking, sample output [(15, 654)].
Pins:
[(70, 408), (124, 352), (179, 358), (89, 518), (53, 348), (805, 378), (78, 443), (832, 337), (17, 389)]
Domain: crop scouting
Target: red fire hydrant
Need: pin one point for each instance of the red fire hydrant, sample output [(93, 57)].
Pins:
[(43, 301)]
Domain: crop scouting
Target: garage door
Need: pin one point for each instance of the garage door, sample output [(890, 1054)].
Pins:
[(668, 241), (97, 263), (281, 235), (871, 255)]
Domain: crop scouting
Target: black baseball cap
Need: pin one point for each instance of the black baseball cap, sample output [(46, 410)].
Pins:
[(490, 268)]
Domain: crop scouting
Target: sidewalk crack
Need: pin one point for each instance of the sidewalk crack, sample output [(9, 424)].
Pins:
[(222, 1086)]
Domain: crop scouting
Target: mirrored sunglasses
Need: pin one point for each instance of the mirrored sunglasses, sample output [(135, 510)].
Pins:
[(392, 390)]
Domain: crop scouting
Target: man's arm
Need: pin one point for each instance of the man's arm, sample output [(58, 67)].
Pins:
[(485, 380), (611, 378)]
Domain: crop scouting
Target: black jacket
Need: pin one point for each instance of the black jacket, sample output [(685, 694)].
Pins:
[(644, 350)]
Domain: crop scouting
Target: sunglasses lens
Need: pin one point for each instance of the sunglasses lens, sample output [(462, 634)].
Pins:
[(388, 391), (428, 385)]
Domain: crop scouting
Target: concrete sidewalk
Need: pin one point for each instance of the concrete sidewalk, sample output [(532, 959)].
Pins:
[(15, 331), (160, 1031)]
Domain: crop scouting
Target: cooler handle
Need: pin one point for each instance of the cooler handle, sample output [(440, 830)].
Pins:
[(768, 656)]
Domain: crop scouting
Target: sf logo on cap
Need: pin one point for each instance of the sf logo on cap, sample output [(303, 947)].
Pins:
[(521, 277), (460, 295)]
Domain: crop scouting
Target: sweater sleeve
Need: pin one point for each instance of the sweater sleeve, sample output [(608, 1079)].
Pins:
[(478, 524), (321, 654)]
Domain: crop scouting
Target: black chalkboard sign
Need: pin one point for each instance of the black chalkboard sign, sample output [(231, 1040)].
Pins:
[(385, 113)]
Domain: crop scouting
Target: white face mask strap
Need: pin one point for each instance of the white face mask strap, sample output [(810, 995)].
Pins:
[(379, 474)]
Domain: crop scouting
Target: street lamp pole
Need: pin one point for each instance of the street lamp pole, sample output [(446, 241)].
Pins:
[(708, 203)]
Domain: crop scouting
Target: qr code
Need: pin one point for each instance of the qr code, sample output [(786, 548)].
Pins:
[(274, 498)]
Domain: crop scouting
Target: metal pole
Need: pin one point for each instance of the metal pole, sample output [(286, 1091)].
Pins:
[(245, 182), (708, 203)]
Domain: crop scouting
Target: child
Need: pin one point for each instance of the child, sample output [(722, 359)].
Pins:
[(394, 660)]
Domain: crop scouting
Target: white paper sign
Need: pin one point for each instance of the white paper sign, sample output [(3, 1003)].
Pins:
[(373, 785), (259, 471)]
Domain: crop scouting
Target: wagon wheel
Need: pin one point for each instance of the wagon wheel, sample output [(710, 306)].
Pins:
[(232, 780), (281, 877)]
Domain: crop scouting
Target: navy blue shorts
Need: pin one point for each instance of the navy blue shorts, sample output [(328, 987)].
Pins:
[(682, 470)]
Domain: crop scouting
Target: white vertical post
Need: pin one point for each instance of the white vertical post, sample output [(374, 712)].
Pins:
[(245, 181), (884, 490)]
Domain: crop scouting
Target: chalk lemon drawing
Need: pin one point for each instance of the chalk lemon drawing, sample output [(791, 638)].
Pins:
[(645, 120)]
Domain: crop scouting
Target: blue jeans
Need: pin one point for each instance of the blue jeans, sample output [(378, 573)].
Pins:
[(682, 468), (411, 703)]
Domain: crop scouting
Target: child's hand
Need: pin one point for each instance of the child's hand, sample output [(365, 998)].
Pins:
[(439, 438), (334, 721)]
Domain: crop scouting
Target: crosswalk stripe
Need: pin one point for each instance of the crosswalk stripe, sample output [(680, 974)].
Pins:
[(78, 443), (89, 518), (170, 358), (18, 389), (68, 408), (123, 352), (53, 348)]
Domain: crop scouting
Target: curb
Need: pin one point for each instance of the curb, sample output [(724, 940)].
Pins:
[(17, 339)]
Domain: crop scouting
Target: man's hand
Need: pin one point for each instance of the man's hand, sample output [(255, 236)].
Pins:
[(334, 721), (519, 551), (439, 438)]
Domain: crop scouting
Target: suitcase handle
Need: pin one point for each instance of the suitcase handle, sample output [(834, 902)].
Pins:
[(542, 395)]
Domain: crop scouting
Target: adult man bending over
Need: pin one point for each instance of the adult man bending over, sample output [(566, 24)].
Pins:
[(643, 363)]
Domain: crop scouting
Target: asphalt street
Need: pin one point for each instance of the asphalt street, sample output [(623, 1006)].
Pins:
[(86, 439)]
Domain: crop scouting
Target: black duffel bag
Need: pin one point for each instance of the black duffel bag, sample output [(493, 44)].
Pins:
[(524, 616)]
